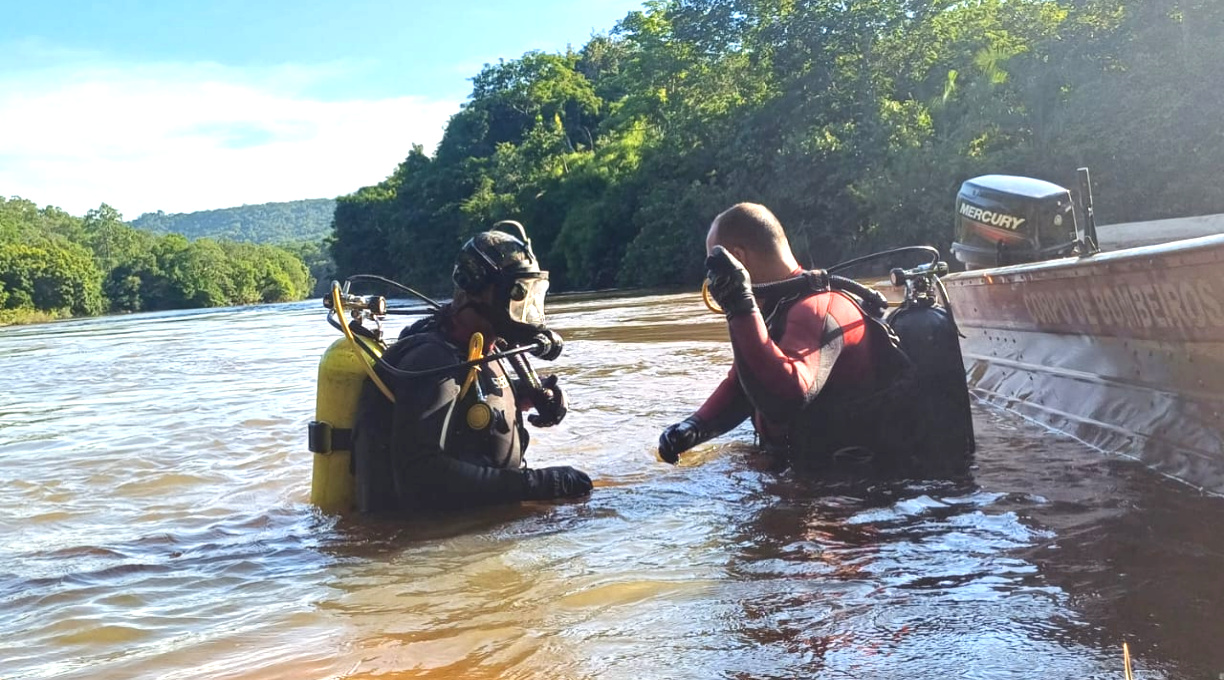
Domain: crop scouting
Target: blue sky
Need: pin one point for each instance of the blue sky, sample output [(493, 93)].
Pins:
[(180, 106)]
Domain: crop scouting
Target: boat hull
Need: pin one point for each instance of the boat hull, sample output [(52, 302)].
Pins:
[(1123, 350)]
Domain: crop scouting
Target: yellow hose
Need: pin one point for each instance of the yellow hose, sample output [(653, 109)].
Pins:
[(709, 301), (475, 351), (338, 304)]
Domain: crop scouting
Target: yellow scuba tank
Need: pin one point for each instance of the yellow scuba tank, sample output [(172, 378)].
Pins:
[(343, 370), (342, 373)]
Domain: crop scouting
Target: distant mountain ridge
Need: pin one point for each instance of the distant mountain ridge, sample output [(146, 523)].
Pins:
[(292, 221)]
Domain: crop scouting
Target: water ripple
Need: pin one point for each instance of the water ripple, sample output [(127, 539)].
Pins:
[(155, 524)]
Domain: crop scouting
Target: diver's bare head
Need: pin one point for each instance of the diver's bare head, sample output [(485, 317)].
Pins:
[(752, 233)]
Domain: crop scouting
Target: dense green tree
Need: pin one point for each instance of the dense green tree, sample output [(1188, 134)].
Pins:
[(855, 121), (319, 264), (22, 220), (264, 223), (54, 277), (54, 264)]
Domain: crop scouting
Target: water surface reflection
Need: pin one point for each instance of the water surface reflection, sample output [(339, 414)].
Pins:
[(155, 524)]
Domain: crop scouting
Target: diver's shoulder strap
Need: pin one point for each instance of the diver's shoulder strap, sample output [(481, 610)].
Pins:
[(890, 359), (428, 323), (787, 293), (424, 332), (775, 321)]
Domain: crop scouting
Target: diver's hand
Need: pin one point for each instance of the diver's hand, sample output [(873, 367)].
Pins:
[(681, 437), (550, 404), (556, 482), (729, 283)]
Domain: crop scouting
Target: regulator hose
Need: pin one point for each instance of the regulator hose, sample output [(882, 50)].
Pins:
[(547, 344), (526, 373), (928, 250), (873, 300), (409, 375), (397, 285), (338, 305), (812, 281)]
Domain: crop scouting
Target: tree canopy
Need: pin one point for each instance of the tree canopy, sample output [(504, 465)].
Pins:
[(292, 221), (60, 265), (854, 121)]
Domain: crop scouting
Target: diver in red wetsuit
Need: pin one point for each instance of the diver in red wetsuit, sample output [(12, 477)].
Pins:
[(816, 373)]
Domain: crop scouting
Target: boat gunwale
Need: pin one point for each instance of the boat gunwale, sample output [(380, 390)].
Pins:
[(1072, 267)]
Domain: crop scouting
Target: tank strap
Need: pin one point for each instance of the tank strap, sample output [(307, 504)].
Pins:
[(420, 333), (814, 281), (321, 437), (871, 417)]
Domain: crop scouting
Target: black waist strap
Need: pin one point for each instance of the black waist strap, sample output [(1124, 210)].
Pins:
[(323, 438)]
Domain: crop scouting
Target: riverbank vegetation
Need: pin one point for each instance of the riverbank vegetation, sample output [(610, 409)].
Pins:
[(855, 121), (53, 265)]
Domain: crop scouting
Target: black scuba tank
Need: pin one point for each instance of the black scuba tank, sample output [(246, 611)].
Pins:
[(929, 337)]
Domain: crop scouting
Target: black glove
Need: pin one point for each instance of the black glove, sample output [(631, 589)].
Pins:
[(729, 283), (681, 437), (556, 482), (550, 404)]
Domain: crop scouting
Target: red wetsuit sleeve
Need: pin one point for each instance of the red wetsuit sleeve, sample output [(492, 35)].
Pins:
[(726, 407), (787, 374), (721, 398)]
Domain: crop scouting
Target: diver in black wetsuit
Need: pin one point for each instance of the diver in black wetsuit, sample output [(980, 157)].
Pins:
[(451, 441)]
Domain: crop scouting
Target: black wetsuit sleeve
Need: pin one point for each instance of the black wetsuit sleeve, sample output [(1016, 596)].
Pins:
[(427, 476)]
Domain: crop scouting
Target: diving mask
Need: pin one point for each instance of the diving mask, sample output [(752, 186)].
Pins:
[(526, 300)]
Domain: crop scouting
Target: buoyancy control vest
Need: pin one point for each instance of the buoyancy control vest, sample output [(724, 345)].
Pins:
[(885, 429), (481, 425)]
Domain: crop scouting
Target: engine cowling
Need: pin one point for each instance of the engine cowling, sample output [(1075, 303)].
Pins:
[(1003, 219)]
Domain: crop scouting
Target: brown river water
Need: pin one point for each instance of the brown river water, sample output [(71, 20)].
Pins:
[(154, 523)]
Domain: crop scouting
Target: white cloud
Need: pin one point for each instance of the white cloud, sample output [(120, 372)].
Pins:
[(182, 137)]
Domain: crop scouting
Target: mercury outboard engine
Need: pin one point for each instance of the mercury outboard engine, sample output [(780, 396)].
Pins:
[(1002, 220)]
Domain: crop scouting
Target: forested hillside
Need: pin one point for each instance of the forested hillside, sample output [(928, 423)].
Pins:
[(53, 264), (855, 121), (307, 220)]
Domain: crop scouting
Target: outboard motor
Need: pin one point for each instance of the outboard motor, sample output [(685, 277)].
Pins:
[(929, 337), (1002, 220)]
